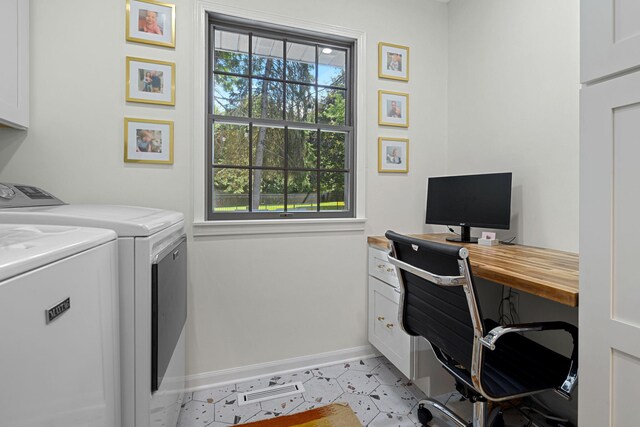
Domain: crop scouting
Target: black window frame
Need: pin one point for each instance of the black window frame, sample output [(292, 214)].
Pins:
[(286, 34)]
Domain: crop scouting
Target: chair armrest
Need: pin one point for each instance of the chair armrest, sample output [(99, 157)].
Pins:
[(496, 333), (569, 383)]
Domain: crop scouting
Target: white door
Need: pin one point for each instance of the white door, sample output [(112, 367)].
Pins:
[(610, 37), (609, 241)]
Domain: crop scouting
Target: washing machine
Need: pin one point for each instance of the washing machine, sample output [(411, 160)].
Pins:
[(58, 327), (152, 276)]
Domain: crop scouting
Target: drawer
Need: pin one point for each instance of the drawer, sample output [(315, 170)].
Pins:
[(381, 268), (385, 332)]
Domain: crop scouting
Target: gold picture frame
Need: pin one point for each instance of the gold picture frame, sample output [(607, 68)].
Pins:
[(150, 81), (393, 61), (393, 109), (393, 155), (151, 22), (148, 141)]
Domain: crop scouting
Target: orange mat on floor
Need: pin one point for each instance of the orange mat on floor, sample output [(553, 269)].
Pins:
[(334, 415)]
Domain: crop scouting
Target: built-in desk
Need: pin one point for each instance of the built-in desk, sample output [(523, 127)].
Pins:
[(547, 273)]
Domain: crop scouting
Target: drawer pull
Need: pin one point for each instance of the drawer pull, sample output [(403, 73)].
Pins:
[(380, 265), (389, 269), (381, 318), (389, 325)]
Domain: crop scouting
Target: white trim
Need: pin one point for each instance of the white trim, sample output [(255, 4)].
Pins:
[(240, 227), (199, 168), (247, 373)]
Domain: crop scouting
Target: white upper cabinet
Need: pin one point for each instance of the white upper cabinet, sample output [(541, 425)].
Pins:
[(14, 63), (610, 37)]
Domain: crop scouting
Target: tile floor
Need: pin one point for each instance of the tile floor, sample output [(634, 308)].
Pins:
[(379, 394)]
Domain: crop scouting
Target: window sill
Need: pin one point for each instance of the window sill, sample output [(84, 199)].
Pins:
[(277, 226)]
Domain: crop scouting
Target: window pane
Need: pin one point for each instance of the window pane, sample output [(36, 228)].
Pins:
[(302, 191), (268, 191), (301, 62), (230, 190), (301, 103), (231, 52), (230, 144), (264, 84), (301, 152), (333, 196), (331, 66), (332, 150), (267, 99), (331, 106), (231, 96), (268, 146), (267, 57)]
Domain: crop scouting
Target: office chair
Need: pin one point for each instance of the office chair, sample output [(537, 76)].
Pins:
[(439, 302)]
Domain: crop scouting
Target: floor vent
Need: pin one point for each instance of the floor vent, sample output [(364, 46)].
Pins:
[(269, 393)]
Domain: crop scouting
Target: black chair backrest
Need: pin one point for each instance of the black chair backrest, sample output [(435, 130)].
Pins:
[(438, 313)]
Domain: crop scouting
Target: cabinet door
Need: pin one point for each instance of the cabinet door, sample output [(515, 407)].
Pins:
[(610, 37), (14, 66), (609, 235), (385, 332)]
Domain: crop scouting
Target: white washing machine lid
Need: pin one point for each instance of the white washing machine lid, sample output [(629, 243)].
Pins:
[(126, 221), (26, 247)]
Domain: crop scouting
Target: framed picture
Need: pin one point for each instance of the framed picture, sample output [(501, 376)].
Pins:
[(151, 22), (148, 141), (393, 109), (393, 155), (393, 61), (151, 82)]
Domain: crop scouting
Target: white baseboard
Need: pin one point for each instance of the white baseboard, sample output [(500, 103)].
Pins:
[(246, 373)]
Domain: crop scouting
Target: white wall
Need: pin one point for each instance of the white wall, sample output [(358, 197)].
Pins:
[(252, 299), (513, 106)]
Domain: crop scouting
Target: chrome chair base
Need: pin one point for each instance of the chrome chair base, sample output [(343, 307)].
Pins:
[(480, 418)]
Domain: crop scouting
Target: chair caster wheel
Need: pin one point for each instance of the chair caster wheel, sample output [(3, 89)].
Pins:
[(424, 415)]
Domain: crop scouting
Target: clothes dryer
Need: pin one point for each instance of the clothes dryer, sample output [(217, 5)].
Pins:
[(58, 327), (152, 275)]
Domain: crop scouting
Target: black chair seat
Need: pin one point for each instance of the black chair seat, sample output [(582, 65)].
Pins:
[(518, 365)]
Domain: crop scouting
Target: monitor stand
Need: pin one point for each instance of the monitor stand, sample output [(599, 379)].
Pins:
[(465, 236)]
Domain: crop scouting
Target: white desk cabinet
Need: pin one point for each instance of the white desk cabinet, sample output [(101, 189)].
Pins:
[(411, 355), (14, 64)]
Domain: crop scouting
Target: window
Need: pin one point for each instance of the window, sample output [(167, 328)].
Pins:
[(280, 123)]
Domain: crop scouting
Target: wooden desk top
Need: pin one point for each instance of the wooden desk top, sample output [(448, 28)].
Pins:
[(547, 273)]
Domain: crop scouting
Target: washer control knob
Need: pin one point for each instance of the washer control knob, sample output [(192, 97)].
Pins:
[(6, 192)]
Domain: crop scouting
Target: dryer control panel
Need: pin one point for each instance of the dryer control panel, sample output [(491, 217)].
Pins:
[(23, 196)]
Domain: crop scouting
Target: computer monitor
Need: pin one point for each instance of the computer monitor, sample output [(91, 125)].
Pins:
[(470, 201)]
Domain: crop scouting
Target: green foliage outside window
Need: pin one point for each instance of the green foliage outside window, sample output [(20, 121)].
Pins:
[(325, 151)]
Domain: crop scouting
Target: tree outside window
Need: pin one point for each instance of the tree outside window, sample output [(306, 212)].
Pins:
[(281, 125)]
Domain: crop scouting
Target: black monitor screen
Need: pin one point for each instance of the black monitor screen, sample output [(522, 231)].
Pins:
[(470, 200)]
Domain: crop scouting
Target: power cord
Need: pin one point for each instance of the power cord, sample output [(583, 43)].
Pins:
[(508, 241), (452, 230), (510, 315), (526, 412), (551, 420)]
